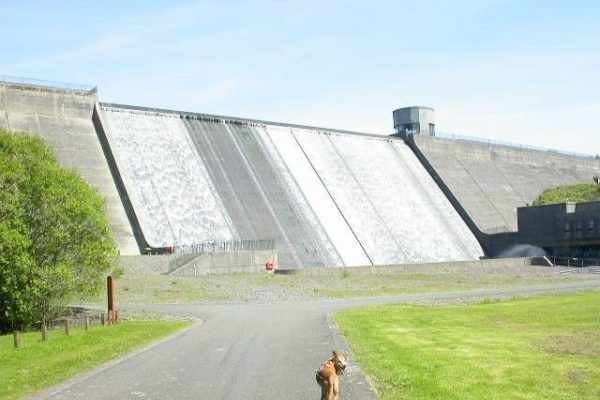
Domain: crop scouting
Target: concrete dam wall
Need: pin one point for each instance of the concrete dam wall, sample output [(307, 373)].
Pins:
[(490, 181), (64, 118), (327, 197)]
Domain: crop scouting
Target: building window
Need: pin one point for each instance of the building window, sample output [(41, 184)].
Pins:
[(579, 228), (567, 232), (411, 129), (431, 129)]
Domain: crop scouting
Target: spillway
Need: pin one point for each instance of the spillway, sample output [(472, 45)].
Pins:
[(394, 208), (169, 187), (327, 198)]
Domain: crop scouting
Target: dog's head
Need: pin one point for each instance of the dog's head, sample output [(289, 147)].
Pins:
[(340, 361)]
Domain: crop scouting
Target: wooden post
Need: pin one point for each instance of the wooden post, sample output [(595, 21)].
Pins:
[(66, 322), (17, 337), (110, 285), (44, 332), (87, 322), (102, 319)]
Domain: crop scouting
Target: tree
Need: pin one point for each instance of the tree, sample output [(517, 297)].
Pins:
[(55, 242)]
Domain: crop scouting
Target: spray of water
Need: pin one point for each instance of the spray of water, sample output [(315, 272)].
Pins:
[(522, 250)]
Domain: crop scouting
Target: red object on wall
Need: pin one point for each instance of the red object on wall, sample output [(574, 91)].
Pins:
[(270, 266)]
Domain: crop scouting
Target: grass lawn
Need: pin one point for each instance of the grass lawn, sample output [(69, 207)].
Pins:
[(540, 348), (37, 365)]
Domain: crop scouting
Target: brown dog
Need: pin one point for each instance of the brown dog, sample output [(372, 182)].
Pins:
[(327, 375)]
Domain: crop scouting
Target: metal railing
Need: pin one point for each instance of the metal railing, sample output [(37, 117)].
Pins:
[(454, 136), (52, 84), (574, 262), (180, 260), (184, 255), (229, 245)]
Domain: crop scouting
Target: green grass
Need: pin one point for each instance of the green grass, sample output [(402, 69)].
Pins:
[(37, 365), (540, 348), (135, 288)]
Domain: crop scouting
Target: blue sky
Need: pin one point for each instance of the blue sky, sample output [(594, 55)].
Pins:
[(520, 71)]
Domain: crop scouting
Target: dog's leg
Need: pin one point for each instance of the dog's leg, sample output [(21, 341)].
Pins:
[(323, 392), (321, 383), (330, 391), (336, 390)]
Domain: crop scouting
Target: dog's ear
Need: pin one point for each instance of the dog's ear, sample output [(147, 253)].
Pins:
[(334, 354)]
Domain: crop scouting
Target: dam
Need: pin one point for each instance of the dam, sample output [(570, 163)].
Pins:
[(324, 197)]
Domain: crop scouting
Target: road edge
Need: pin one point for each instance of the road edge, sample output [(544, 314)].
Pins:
[(354, 376), (59, 387)]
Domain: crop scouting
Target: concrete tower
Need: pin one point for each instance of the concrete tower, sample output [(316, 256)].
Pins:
[(415, 120)]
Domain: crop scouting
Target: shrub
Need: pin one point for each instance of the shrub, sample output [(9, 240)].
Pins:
[(54, 236), (571, 193)]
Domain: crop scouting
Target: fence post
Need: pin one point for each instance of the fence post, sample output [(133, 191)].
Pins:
[(17, 337), (110, 283), (66, 322), (102, 319), (87, 322)]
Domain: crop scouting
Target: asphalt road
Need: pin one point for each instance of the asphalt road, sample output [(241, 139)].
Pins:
[(247, 351)]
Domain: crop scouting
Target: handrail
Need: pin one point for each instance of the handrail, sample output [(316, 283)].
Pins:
[(574, 262), (184, 255), (54, 84), (455, 136), (226, 245)]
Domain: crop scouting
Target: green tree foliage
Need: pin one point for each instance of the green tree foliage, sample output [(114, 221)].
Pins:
[(571, 193), (54, 236)]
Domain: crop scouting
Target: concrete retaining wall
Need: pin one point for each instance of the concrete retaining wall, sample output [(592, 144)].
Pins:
[(533, 265), (146, 264), (230, 262)]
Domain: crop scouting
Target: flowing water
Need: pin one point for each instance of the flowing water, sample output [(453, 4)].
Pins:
[(327, 198)]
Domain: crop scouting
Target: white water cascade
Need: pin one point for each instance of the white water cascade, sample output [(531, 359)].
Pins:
[(171, 192)]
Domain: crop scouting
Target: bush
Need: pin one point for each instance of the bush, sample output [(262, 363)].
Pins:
[(571, 193), (54, 235)]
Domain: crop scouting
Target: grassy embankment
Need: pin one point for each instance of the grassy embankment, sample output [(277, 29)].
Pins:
[(37, 365), (149, 288), (540, 348)]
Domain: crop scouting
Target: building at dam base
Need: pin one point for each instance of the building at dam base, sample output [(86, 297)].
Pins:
[(325, 197)]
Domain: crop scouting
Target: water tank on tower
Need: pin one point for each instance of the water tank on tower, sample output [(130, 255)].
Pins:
[(415, 120)]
